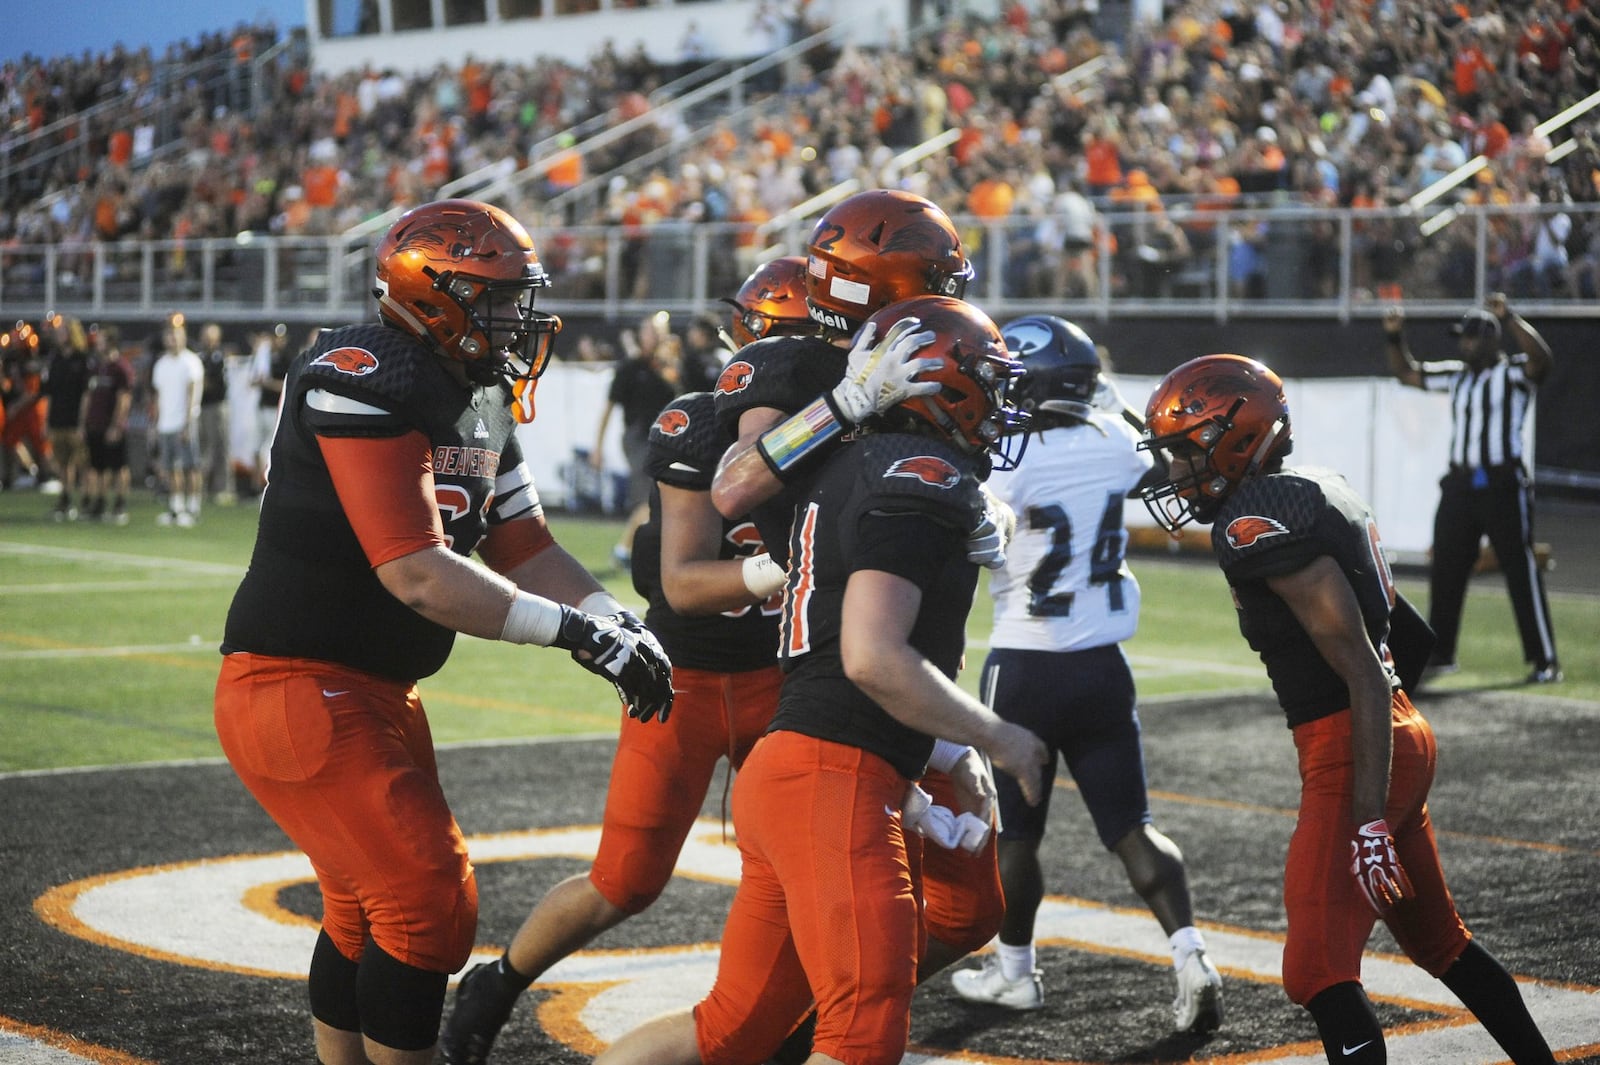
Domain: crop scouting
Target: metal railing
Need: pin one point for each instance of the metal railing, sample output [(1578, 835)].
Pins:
[(1225, 264)]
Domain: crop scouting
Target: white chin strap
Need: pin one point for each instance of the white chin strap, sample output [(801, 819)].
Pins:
[(1268, 438)]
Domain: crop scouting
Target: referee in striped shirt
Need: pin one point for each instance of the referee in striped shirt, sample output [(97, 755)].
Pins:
[(1487, 488)]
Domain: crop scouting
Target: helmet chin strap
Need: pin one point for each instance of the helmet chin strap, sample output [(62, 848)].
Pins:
[(1268, 439)]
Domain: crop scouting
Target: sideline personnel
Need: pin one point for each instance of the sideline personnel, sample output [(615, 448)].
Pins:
[(1487, 488)]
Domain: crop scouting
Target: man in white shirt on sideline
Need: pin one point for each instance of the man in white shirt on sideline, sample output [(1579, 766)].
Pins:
[(176, 379)]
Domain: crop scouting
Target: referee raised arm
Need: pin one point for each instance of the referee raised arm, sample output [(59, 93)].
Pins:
[(1487, 488)]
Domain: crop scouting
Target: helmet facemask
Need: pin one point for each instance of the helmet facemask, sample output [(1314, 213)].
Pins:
[(1204, 449)]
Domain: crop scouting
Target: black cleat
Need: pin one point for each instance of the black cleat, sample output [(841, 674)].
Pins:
[(483, 1005), (1550, 674)]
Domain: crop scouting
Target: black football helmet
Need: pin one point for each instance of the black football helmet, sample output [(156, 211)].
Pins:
[(1060, 369), (973, 407), (1222, 418)]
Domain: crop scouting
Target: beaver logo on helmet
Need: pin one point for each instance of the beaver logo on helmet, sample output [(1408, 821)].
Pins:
[(1248, 530), (357, 362), (735, 378), (929, 469), (441, 235), (671, 422)]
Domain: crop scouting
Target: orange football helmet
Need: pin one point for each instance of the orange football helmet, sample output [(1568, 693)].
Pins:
[(973, 407), (876, 247), (1221, 417), (771, 302), (460, 276)]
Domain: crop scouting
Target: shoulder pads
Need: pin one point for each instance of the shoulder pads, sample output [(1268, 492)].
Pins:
[(686, 443), (371, 362), (909, 473), (782, 372), (1266, 513)]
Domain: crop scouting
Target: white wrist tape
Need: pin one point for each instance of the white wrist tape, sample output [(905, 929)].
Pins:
[(601, 602), (762, 576), (531, 619), (946, 754)]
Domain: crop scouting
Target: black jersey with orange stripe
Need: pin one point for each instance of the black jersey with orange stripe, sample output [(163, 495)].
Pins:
[(685, 444), (895, 502), (1276, 525), (309, 591)]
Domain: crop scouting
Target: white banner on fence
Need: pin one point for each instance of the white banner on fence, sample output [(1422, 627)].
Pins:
[(1390, 442)]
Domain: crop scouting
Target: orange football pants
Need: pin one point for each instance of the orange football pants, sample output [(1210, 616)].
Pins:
[(826, 908), (660, 776), (1329, 918), (343, 761)]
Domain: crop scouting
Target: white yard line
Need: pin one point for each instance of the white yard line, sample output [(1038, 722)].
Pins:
[(191, 646), (79, 587), (120, 558)]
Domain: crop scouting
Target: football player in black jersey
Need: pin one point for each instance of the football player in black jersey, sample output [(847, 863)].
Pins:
[(1302, 555), (713, 599), (394, 459), (712, 590), (872, 635), (866, 252)]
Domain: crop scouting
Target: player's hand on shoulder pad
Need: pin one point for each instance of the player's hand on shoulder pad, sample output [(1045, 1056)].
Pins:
[(619, 648), (1018, 751), (986, 544), (879, 375), (1376, 867)]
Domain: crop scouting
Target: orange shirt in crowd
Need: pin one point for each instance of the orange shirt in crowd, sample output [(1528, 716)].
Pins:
[(991, 198), (1492, 139), (1103, 165), (566, 170), (321, 185), (119, 149), (1470, 62)]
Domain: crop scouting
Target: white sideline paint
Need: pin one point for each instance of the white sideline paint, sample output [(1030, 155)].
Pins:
[(123, 559), (18, 1049), (196, 914)]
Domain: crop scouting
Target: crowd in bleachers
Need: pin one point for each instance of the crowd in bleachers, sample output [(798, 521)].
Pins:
[(1223, 102)]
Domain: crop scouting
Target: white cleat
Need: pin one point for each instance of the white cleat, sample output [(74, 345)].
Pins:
[(1198, 1007), (989, 985)]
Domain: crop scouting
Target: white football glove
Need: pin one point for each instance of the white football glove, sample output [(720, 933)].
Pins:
[(986, 544), (920, 814), (878, 376)]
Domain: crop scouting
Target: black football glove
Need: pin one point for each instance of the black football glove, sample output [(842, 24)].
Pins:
[(619, 648)]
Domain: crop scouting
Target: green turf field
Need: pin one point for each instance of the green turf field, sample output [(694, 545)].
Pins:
[(108, 639)]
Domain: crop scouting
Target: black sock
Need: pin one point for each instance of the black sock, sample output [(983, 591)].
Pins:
[(796, 1047), (509, 976), (1349, 1029), (1484, 987)]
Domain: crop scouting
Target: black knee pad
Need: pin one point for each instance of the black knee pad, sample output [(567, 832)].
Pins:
[(333, 987), (400, 1004)]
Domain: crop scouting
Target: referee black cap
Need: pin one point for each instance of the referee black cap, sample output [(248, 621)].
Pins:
[(1476, 323)]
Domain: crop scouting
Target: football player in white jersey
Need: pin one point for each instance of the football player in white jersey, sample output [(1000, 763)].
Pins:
[(1063, 602)]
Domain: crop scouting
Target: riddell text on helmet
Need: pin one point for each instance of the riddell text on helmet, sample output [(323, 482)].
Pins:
[(831, 319)]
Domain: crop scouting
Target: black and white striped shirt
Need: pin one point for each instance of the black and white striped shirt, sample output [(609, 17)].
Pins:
[(1488, 408)]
